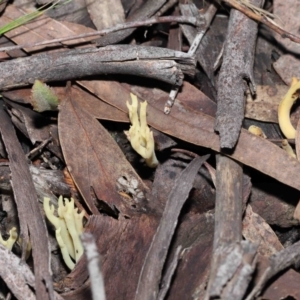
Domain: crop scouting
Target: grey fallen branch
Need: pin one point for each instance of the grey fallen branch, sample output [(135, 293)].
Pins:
[(237, 67), (148, 285), (233, 260), (152, 62)]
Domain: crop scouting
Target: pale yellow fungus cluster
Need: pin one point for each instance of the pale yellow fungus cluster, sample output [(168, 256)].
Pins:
[(68, 227), (139, 134), (257, 131), (285, 107), (13, 236)]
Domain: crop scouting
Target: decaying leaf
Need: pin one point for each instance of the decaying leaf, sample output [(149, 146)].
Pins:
[(197, 128), (97, 165), (43, 97), (265, 105), (256, 230)]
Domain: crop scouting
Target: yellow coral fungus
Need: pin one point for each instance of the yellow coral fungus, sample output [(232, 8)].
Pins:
[(140, 136), (11, 240), (284, 109), (68, 227)]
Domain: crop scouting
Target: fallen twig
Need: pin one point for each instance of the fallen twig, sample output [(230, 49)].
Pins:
[(156, 20), (153, 62), (93, 265)]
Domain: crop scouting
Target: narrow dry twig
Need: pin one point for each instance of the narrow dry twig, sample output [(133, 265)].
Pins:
[(206, 21), (263, 19), (156, 20), (93, 265)]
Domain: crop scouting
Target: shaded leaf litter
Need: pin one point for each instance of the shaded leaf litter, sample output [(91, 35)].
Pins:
[(131, 210)]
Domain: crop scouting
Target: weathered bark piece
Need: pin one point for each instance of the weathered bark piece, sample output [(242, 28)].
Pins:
[(149, 8), (195, 234), (166, 281), (152, 62), (104, 14), (278, 262), (268, 199), (259, 232), (237, 67), (18, 276), (232, 262), (30, 217), (285, 286), (148, 286)]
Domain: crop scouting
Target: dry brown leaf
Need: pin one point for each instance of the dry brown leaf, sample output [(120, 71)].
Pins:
[(40, 29), (104, 14), (198, 128), (95, 162), (284, 287), (265, 105)]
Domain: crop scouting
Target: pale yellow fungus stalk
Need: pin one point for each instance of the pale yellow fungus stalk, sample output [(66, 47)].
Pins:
[(140, 136), (257, 131), (287, 147), (59, 223), (68, 227), (13, 236), (285, 107)]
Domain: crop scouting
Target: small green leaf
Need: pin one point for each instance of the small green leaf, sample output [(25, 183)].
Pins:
[(43, 97)]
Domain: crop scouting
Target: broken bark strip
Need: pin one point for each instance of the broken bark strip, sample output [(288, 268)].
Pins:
[(31, 220), (232, 262), (237, 67), (148, 286), (151, 62), (278, 262)]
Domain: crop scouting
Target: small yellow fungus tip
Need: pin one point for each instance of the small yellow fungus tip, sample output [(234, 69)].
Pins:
[(139, 134), (284, 109), (69, 227), (287, 147), (257, 131), (13, 236)]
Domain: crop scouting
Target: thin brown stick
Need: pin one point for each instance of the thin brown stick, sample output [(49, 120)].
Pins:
[(263, 19), (168, 19)]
